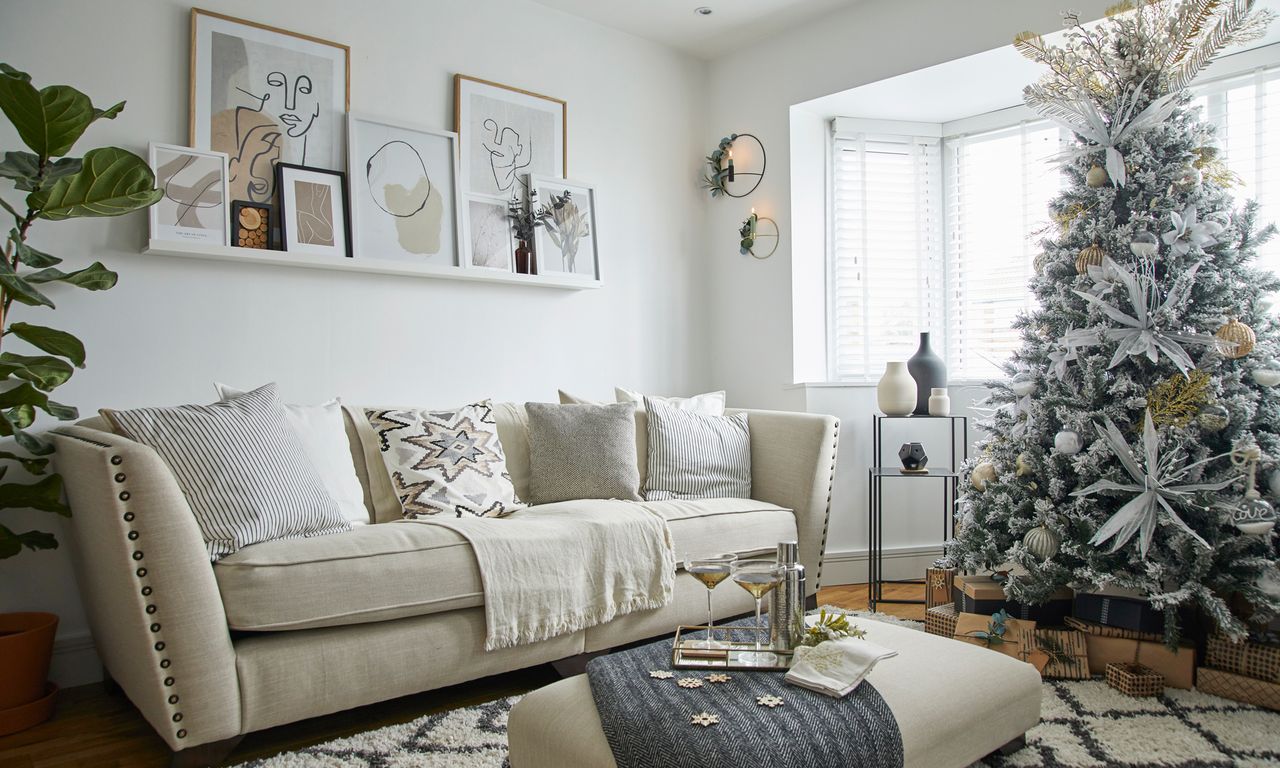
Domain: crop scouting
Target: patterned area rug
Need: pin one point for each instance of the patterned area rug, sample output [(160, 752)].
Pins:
[(1085, 724)]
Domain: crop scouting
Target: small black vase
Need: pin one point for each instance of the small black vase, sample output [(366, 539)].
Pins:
[(929, 372), (913, 457)]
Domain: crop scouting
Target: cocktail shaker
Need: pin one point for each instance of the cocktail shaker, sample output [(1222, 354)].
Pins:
[(786, 602)]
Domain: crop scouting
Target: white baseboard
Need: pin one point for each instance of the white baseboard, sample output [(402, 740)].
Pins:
[(850, 566), (75, 661)]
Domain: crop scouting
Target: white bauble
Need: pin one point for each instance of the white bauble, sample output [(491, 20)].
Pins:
[(1041, 542), (1144, 245), (1023, 384), (1267, 374), (1068, 442), (1273, 482), (982, 474)]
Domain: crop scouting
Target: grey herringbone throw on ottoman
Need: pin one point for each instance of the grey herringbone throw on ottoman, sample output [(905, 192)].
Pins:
[(647, 720)]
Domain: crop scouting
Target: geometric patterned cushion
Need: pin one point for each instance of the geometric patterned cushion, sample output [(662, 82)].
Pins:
[(446, 462)]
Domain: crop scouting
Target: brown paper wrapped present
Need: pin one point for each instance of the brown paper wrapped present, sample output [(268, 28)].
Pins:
[(1261, 662), (1066, 652), (968, 625), (940, 620), (1238, 688), (1178, 667), (1092, 628), (1135, 679), (937, 586)]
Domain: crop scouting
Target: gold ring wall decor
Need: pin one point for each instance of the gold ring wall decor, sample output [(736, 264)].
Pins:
[(750, 232)]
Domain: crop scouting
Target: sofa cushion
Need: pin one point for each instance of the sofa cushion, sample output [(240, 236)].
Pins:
[(410, 568)]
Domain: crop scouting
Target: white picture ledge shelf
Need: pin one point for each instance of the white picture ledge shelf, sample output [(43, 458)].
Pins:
[(281, 258)]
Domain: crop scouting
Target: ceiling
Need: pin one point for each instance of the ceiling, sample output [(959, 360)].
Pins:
[(732, 23)]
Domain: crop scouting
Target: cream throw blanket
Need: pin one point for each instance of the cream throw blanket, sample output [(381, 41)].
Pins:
[(558, 568)]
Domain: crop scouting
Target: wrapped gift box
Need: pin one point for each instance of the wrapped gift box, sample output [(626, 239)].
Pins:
[(1091, 628), (1178, 667), (1067, 653), (985, 595), (940, 620), (1261, 662), (1229, 685), (937, 586), (1018, 637), (1135, 679), (1123, 612)]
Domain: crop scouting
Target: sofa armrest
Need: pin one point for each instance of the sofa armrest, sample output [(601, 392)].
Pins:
[(793, 462), (148, 587)]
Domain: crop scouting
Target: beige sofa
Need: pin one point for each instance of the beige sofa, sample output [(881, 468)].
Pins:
[(286, 630)]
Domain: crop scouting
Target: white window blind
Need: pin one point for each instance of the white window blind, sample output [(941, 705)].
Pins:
[(1246, 111), (999, 184), (886, 272)]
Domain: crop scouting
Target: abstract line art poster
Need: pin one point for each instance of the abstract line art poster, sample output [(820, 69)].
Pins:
[(506, 133)]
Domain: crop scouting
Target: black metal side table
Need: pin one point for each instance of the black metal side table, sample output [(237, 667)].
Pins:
[(875, 478)]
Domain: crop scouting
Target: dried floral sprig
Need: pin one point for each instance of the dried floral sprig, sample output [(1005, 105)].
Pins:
[(1176, 400), (830, 626)]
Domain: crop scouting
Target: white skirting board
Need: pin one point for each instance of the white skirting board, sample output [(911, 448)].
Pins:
[(850, 566)]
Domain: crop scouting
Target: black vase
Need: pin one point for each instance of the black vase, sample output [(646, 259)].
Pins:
[(913, 457), (929, 372)]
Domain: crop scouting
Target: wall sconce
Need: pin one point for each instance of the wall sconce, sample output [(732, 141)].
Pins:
[(750, 232), (721, 171)]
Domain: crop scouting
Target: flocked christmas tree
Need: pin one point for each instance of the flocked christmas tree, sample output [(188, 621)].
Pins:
[(1121, 449)]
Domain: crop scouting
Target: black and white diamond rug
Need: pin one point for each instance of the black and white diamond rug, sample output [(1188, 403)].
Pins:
[(1084, 724)]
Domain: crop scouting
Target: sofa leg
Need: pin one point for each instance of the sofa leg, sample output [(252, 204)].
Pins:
[(211, 754), (575, 665), (1012, 746), (110, 686)]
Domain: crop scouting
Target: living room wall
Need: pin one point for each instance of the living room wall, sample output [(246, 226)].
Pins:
[(173, 326)]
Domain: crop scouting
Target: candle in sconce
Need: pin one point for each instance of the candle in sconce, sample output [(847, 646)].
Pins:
[(731, 165)]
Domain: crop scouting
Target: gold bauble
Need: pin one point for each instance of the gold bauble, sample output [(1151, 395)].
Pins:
[(1096, 177), (1241, 334), (1042, 542), (982, 474), (1023, 464), (1091, 256)]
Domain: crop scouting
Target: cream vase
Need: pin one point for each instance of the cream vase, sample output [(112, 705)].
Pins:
[(896, 392)]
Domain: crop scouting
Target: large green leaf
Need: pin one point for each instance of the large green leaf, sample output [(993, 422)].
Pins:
[(23, 394), (94, 277), (21, 416), (27, 441), (51, 340), (12, 543), (61, 411), (16, 286), (45, 495), (30, 256), (43, 371), (24, 169), (112, 182), (49, 120), (32, 466)]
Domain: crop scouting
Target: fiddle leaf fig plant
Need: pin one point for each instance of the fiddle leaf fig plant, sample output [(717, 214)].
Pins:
[(107, 181)]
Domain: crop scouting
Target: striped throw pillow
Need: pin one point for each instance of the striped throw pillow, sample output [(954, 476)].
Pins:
[(242, 468), (696, 456)]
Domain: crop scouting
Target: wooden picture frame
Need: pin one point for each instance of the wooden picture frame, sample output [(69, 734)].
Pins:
[(315, 219), (502, 131), (237, 66), (194, 207)]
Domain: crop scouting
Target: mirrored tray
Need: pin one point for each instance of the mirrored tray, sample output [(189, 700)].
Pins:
[(733, 652)]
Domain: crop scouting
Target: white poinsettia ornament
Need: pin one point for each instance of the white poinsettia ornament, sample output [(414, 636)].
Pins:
[(1157, 483), (1189, 232)]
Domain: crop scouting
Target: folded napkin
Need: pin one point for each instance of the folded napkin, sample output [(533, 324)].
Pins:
[(836, 667)]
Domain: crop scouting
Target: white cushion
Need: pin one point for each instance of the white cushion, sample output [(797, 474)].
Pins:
[(708, 403), (324, 439)]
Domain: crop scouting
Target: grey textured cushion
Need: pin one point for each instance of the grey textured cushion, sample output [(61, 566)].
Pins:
[(582, 451), (696, 456)]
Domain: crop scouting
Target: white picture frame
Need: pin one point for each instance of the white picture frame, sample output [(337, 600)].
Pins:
[(582, 261), (490, 242), (314, 219), (194, 206), (405, 205), (265, 95), (505, 133)]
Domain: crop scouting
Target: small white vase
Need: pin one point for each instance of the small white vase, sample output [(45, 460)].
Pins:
[(896, 392), (939, 402)]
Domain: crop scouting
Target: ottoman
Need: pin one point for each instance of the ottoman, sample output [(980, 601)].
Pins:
[(954, 702)]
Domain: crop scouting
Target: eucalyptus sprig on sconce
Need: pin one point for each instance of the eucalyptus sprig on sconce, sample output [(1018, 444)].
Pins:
[(716, 176), (107, 181), (747, 233)]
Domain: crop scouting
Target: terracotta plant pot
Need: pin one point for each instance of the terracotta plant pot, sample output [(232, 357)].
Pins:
[(26, 648)]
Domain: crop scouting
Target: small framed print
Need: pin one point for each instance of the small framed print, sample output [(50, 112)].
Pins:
[(193, 207), (566, 241), (490, 242), (313, 211), (251, 225)]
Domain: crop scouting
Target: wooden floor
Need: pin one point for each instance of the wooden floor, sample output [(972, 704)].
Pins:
[(95, 728)]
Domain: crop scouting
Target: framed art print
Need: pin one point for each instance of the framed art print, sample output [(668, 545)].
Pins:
[(566, 241), (193, 206), (251, 225), (404, 200), (265, 95), (490, 241), (313, 210), (505, 133)]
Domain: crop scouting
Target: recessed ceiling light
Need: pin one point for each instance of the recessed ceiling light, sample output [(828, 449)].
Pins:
[(702, 11)]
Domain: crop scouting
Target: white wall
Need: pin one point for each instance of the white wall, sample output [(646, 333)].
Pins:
[(766, 317), (173, 326)]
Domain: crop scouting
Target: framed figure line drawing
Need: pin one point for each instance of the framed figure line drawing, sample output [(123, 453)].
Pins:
[(505, 133), (266, 95)]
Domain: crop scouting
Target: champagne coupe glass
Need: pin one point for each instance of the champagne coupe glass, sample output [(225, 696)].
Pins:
[(710, 570), (758, 577)]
